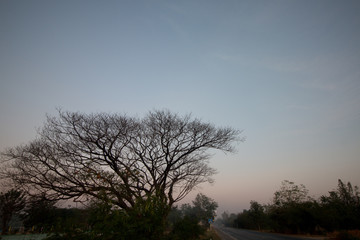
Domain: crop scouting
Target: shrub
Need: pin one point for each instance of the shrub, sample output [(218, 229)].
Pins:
[(187, 228), (348, 235)]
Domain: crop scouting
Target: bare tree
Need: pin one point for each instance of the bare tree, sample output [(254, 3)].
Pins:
[(90, 155)]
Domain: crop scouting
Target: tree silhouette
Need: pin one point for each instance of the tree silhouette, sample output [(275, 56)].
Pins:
[(11, 202), (159, 158)]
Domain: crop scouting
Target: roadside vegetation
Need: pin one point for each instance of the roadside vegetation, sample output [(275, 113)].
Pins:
[(100, 221), (292, 211)]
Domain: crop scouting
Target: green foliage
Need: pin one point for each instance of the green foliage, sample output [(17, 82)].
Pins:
[(187, 228), (293, 211), (40, 214), (348, 235), (104, 223), (294, 218), (108, 223), (257, 215), (149, 217), (190, 222), (229, 220), (290, 193), (144, 222), (70, 219), (343, 205), (254, 218), (70, 234), (204, 208)]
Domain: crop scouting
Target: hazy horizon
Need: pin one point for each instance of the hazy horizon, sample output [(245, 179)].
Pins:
[(285, 72)]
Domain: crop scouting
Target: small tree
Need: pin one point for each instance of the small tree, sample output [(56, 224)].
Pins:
[(187, 228), (290, 193), (205, 208), (11, 202), (190, 221), (257, 215), (229, 220), (343, 204), (39, 213), (291, 209)]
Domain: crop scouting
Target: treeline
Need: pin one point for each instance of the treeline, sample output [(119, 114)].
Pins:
[(293, 211), (102, 221)]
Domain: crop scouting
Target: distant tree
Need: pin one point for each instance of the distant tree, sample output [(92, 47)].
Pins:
[(175, 215), (343, 204), (292, 209), (257, 215), (205, 208), (108, 223), (190, 221), (11, 202), (243, 221), (254, 218), (67, 219), (39, 213), (229, 220), (161, 157), (225, 217), (290, 193), (187, 228), (187, 210)]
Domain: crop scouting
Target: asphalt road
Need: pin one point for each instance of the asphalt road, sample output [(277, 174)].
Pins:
[(240, 234)]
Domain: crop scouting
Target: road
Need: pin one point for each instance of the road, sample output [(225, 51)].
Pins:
[(240, 234)]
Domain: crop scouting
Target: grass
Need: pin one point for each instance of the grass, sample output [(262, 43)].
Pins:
[(210, 235), (23, 237)]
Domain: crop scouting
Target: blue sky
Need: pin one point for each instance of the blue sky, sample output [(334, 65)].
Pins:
[(285, 72)]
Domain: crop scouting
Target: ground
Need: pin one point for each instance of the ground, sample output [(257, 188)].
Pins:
[(24, 237), (211, 235)]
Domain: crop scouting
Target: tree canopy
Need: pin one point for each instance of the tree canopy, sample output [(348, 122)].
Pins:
[(205, 208), (290, 193)]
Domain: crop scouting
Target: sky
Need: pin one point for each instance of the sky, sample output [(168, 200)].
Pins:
[(286, 72)]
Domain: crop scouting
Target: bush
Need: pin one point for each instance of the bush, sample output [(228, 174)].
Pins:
[(348, 235), (187, 228), (69, 235)]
